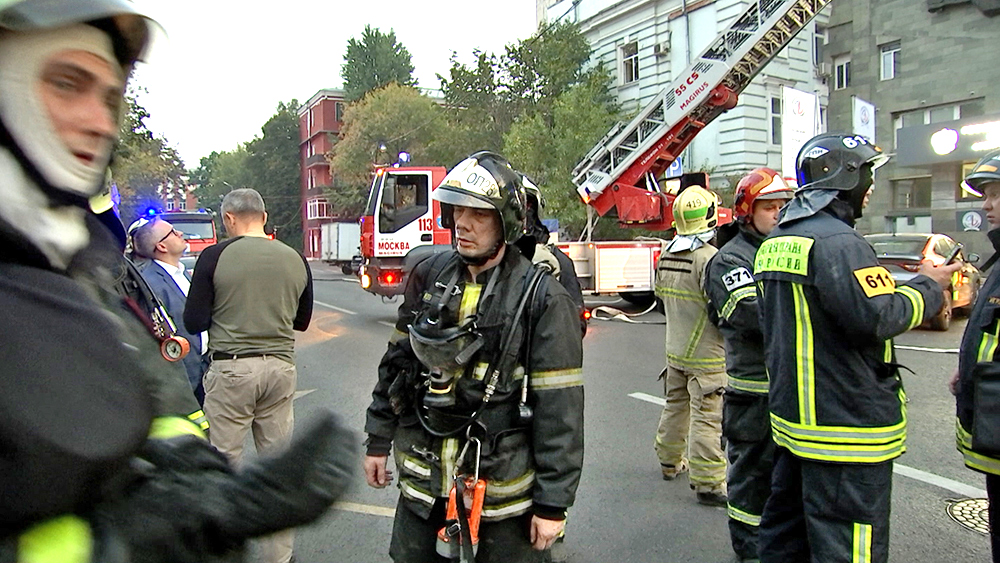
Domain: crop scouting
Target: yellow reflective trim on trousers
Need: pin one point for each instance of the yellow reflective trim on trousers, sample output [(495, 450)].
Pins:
[(681, 294), (63, 539), (840, 434), (749, 385), (787, 254), (916, 303), (862, 548), (974, 460), (470, 301), (510, 487), (805, 363), (988, 345), (556, 379), (165, 427), (743, 516), (199, 418), (734, 299)]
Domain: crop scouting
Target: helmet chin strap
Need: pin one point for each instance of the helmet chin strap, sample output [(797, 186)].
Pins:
[(483, 258)]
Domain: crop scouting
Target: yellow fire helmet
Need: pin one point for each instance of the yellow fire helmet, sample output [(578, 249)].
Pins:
[(696, 211)]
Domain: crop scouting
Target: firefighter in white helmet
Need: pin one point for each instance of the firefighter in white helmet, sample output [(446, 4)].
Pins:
[(695, 375), (732, 296)]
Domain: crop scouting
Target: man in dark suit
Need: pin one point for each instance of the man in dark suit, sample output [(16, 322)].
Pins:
[(159, 241)]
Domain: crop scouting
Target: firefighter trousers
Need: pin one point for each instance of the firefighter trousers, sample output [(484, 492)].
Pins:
[(414, 539), (693, 409), (751, 459), (826, 512), (993, 494)]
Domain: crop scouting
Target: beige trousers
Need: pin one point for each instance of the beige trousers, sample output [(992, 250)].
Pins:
[(252, 394), (693, 414)]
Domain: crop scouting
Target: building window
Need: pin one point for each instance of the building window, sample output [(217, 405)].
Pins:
[(819, 44), (630, 62), (822, 119), (338, 110), (311, 180), (182, 204), (937, 114), (318, 208), (170, 205), (775, 108), (911, 193), (890, 60), (842, 72)]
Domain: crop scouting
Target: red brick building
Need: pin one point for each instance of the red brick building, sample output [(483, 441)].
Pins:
[(319, 123)]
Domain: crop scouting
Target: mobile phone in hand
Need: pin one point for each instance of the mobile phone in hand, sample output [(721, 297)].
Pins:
[(954, 254)]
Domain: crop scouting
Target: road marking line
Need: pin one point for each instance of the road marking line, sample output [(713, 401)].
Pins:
[(365, 509), (649, 398), (924, 349), (387, 323), (302, 393), (904, 470), (943, 482), (334, 307)]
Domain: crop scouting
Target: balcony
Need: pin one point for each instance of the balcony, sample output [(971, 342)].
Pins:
[(317, 159)]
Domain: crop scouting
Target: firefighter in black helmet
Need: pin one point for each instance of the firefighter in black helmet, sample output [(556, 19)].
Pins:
[(100, 460), (829, 313), (481, 379), (979, 348)]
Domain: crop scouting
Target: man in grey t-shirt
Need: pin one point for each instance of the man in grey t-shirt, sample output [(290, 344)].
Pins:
[(250, 293)]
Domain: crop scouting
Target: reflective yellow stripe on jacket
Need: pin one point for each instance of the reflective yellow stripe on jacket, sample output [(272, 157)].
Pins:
[(974, 460), (916, 303), (64, 539), (749, 385), (166, 427), (805, 371), (843, 444)]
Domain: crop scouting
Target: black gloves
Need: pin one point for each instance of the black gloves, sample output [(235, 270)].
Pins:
[(188, 506)]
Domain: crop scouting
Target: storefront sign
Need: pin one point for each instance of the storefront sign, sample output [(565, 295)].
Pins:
[(949, 141), (970, 220), (798, 125)]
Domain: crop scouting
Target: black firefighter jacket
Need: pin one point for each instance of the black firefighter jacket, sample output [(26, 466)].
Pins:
[(831, 312), (979, 344), (527, 468)]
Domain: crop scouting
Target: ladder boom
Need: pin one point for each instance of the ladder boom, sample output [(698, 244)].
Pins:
[(707, 88)]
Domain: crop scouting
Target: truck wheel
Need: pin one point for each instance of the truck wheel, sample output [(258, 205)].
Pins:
[(942, 320), (346, 268)]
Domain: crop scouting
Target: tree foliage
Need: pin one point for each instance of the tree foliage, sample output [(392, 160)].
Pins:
[(375, 130), (374, 61), (143, 164), (541, 106), (269, 163)]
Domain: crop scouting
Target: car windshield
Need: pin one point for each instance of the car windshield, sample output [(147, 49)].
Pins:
[(195, 230), (899, 246)]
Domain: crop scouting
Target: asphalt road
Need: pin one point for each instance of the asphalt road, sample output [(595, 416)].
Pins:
[(624, 510)]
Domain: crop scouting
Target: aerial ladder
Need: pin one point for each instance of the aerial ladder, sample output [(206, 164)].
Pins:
[(621, 173)]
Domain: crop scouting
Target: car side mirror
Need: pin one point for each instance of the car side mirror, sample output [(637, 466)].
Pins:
[(973, 258)]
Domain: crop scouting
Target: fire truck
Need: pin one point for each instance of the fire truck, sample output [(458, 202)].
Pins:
[(198, 228), (622, 176), (400, 223)]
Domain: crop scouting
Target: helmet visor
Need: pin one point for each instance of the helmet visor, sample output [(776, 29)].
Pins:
[(877, 161), (452, 196)]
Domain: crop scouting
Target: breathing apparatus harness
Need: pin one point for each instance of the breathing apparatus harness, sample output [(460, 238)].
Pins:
[(459, 538)]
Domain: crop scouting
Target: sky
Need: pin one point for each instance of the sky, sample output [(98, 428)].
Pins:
[(224, 65)]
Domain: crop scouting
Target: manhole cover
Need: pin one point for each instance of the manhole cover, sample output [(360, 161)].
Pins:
[(973, 513)]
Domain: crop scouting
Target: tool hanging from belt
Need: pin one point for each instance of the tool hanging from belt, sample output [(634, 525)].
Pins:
[(459, 538)]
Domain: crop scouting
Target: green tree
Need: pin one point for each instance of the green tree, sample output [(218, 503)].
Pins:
[(547, 146), (375, 130), (374, 61), (143, 164), (218, 174), (274, 169)]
